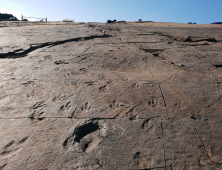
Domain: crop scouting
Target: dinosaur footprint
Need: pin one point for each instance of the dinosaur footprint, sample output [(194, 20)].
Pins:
[(85, 107), (67, 106), (153, 102), (12, 146), (37, 110)]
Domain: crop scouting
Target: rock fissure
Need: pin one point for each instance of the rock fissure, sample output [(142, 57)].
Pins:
[(2, 167), (83, 118), (218, 65), (132, 42), (34, 47), (203, 144), (155, 52), (205, 147), (162, 96), (187, 39), (164, 149), (190, 39), (157, 168)]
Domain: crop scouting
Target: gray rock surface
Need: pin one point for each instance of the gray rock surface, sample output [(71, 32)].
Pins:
[(110, 96)]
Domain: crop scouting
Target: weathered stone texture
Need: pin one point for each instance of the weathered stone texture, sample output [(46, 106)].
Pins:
[(110, 96)]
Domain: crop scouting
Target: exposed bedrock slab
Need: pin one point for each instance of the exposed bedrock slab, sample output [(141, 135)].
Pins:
[(110, 96)]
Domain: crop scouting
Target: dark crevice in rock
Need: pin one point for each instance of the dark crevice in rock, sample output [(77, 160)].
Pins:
[(82, 131), (86, 145), (9, 144), (187, 39), (157, 168), (144, 124), (1, 167), (154, 52), (99, 118), (61, 62), (216, 163), (137, 155), (143, 42), (33, 47), (40, 119), (190, 39), (65, 143), (164, 155), (79, 118), (24, 139), (148, 118), (21, 49), (180, 65), (146, 34), (36, 115), (194, 44), (218, 66), (161, 34)]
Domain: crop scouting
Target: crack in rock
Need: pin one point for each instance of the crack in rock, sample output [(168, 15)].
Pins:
[(34, 47), (1, 167), (187, 39), (154, 52)]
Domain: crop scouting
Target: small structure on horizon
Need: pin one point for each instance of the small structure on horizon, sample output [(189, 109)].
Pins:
[(142, 21), (23, 18), (68, 20), (121, 21)]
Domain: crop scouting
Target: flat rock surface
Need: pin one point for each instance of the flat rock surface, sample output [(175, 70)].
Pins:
[(110, 96)]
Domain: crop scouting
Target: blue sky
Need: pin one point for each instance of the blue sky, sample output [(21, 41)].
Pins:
[(181, 11)]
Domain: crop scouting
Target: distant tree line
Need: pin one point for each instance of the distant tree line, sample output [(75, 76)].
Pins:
[(6, 17)]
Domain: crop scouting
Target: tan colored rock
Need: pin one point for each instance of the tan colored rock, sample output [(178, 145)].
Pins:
[(110, 96)]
